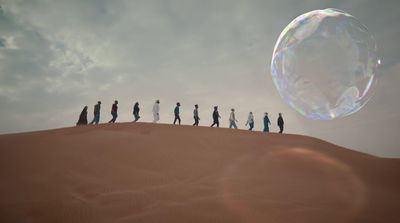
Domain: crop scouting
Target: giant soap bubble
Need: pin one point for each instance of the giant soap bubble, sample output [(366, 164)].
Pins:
[(324, 64)]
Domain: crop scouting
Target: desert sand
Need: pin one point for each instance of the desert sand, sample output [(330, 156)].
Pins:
[(140, 172)]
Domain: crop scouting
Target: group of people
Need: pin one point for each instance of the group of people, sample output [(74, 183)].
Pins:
[(250, 120), (156, 116)]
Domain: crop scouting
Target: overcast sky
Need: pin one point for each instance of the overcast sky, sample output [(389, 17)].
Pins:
[(58, 56)]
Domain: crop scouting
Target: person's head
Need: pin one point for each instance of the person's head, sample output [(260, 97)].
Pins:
[(116, 102), (233, 109), (280, 114), (158, 101), (178, 104), (137, 104), (266, 113), (196, 106), (99, 102), (85, 108), (215, 108), (251, 113)]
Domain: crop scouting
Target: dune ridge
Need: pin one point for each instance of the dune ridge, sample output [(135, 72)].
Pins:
[(142, 172)]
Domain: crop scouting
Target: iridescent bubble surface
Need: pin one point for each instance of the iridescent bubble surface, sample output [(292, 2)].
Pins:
[(324, 64)]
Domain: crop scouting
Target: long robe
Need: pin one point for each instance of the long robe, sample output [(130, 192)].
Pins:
[(83, 117), (266, 123)]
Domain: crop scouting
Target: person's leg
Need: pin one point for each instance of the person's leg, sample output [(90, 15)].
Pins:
[(97, 119), (234, 125), (218, 124), (197, 121), (176, 118), (179, 120), (251, 126), (114, 118), (230, 124), (156, 118), (280, 128)]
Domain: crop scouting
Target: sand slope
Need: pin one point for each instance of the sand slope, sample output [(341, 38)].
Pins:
[(162, 173)]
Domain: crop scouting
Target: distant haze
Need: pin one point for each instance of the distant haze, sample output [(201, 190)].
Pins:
[(58, 56)]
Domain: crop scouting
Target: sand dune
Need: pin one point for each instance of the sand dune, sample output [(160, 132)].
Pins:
[(161, 173)]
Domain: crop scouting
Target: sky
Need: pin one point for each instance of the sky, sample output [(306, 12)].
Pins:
[(58, 56)]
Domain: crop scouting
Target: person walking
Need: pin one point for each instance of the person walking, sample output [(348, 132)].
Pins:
[(250, 121), (176, 112), (156, 111), (196, 115), (232, 119), (83, 117), (216, 117), (96, 113), (266, 122), (114, 112), (136, 110), (280, 123)]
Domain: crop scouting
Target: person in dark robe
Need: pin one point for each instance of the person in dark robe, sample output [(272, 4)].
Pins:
[(83, 117), (196, 115), (280, 123), (136, 110), (266, 122)]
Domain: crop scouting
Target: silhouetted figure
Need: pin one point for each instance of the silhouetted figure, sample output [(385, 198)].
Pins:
[(114, 112), (96, 113), (250, 121), (176, 112), (266, 122), (156, 111), (216, 117), (280, 123), (196, 115), (83, 117), (232, 119), (136, 110)]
